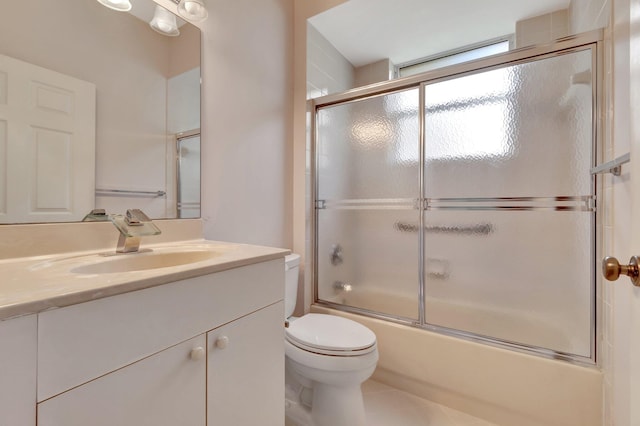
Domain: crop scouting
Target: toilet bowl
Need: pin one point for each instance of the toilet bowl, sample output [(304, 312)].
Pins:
[(326, 359)]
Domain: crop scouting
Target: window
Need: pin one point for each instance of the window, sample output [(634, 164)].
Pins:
[(459, 56)]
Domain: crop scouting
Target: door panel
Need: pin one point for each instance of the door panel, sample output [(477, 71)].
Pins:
[(47, 144)]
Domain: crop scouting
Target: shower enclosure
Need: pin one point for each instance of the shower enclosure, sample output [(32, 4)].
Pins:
[(461, 200), (188, 174)]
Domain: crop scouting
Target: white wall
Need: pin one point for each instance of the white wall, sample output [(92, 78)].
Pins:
[(246, 121)]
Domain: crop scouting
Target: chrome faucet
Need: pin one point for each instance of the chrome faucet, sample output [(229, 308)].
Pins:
[(132, 226)]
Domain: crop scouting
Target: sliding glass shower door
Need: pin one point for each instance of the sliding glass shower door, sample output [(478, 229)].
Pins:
[(368, 181), (508, 153), (464, 202)]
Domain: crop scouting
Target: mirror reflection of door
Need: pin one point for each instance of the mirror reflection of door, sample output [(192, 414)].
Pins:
[(188, 175)]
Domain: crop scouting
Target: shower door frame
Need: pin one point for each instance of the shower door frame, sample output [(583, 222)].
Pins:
[(592, 40), (180, 205)]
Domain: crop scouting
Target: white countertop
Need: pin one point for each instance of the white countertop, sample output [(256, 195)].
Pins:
[(30, 285)]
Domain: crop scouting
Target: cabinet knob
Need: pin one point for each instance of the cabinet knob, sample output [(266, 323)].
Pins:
[(222, 342), (197, 353)]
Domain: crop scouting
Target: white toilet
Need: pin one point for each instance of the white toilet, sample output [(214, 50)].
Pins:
[(326, 360)]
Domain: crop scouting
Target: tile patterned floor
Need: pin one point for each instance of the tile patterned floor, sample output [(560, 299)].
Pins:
[(387, 406)]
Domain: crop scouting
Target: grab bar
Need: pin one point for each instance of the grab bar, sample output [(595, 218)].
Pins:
[(130, 193), (480, 229), (614, 166)]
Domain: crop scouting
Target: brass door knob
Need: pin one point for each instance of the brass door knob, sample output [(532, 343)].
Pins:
[(612, 269)]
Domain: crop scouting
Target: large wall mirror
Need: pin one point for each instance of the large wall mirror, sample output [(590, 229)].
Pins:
[(97, 110), (361, 42)]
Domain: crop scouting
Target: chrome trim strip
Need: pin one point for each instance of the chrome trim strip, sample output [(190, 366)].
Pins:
[(598, 118), (560, 203), (371, 204), (312, 113), (514, 56), (422, 284), (506, 199), (515, 208)]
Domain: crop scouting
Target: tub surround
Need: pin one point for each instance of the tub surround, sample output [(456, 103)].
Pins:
[(495, 384), (42, 281)]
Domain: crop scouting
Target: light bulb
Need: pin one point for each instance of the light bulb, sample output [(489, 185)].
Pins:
[(164, 22), (119, 5), (193, 10)]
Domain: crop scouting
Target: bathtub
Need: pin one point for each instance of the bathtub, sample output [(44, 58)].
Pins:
[(500, 385), (531, 328)]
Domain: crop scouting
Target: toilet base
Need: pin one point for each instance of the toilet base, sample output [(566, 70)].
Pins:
[(310, 403), (337, 406)]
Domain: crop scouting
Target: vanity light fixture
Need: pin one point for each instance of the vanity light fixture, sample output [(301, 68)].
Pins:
[(192, 10), (119, 5), (164, 22)]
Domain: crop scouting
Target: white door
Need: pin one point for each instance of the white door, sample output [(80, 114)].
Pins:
[(47, 144), (634, 326)]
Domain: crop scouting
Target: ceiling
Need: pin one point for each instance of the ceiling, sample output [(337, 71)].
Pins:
[(365, 31)]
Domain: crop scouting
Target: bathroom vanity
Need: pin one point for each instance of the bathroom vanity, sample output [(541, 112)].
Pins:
[(199, 343)]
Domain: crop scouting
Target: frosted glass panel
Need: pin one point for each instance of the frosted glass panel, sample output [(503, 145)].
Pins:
[(369, 149), (378, 260), (523, 276), (530, 122)]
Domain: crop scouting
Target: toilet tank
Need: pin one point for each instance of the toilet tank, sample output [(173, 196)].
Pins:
[(291, 268)]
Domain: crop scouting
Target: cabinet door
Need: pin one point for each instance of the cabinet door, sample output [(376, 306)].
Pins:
[(245, 371), (165, 389), (18, 341)]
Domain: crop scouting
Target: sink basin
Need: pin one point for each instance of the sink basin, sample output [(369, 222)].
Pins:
[(143, 261)]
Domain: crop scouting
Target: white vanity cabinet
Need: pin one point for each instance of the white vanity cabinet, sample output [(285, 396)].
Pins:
[(147, 357), (18, 371), (245, 370)]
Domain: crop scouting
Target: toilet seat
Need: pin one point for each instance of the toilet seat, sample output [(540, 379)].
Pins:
[(330, 335)]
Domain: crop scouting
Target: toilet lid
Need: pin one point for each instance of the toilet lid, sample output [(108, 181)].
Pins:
[(329, 334)]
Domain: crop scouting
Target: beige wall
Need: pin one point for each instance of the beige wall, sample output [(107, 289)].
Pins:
[(184, 51), (246, 121), (303, 10)]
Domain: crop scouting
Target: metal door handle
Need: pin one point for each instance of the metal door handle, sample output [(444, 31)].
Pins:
[(612, 269)]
